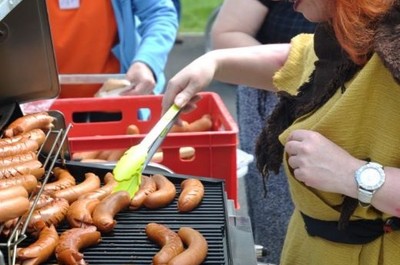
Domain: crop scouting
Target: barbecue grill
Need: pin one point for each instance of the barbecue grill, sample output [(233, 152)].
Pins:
[(229, 236), (214, 218), (28, 72)]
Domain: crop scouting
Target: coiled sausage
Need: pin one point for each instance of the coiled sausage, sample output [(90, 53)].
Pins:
[(197, 248), (164, 194), (169, 241)]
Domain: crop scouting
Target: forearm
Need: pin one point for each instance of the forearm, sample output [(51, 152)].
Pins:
[(233, 40), (237, 24), (252, 66)]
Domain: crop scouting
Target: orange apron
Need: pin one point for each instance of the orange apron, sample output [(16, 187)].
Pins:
[(83, 38)]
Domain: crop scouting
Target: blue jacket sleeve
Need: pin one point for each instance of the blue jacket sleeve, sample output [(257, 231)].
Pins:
[(147, 32)]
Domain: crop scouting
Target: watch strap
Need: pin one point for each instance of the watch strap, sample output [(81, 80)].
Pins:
[(364, 197)]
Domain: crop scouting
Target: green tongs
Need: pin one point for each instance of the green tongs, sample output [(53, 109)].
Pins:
[(129, 168)]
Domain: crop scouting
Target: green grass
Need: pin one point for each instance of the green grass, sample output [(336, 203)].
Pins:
[(195, 13)]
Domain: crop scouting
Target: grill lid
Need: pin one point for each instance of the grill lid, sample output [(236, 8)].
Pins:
[(7, 6), (27, 67)]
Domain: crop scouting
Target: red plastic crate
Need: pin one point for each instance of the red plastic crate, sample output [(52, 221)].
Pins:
[(215, 151)]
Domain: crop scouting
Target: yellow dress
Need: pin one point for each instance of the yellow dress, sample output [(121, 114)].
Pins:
[(365, 121)]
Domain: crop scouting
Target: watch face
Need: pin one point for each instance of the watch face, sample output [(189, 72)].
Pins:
[(370, 178)]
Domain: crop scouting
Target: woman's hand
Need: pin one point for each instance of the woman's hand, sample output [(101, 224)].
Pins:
[(183, 87), (319, 163)]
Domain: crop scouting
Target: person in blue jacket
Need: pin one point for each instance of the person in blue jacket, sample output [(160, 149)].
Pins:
[(113, 36)]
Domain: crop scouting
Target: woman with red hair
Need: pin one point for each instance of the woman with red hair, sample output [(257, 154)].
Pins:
[(336, 127)]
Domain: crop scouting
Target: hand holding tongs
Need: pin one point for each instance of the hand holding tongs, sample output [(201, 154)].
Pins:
[(129, 168)]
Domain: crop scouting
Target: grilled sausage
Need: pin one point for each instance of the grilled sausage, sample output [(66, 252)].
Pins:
[(72, 241), (71, 194), (104, 190), (103, 214), (39, 251), (36, 134), (169, 241), (197, 248), (29, 182), (33, 167), (147, 186), (50, 214), (13, 207), (164, 194), (80, 212), (11, 210), (17, 159), (39, 120), (8, 227), (13, 191), (64, 180), (191, 195), (43, 200), (19, 147)]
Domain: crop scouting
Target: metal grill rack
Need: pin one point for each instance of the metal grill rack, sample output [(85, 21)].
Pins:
[(128, 242), (55, 141), (227, 235)]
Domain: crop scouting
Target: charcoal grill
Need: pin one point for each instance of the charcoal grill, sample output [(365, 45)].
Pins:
[(28, 72)]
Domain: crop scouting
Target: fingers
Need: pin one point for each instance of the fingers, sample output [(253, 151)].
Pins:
[(175, 93), (130, 92), (293, 147), (296, 147), (184, 97), (192, 104), (186, 92), (298, 135), (294, 162), (139, 89)]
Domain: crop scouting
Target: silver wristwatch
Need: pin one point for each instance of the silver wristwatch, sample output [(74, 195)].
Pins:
[(370, 177)]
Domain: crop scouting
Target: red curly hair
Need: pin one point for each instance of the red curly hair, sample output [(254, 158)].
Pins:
[(354, 23)]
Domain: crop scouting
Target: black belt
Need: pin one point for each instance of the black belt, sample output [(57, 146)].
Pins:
[(357, 232)]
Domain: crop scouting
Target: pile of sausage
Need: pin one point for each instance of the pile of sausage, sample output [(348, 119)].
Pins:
[(90, 209), (202, 124), (20, 168)]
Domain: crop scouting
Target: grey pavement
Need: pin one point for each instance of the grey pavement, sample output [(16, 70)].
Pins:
[(182, 54)]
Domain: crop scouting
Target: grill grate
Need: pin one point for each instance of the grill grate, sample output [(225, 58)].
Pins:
[(128, 242)]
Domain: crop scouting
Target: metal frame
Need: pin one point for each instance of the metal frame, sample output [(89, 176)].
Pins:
[(6, 6)]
